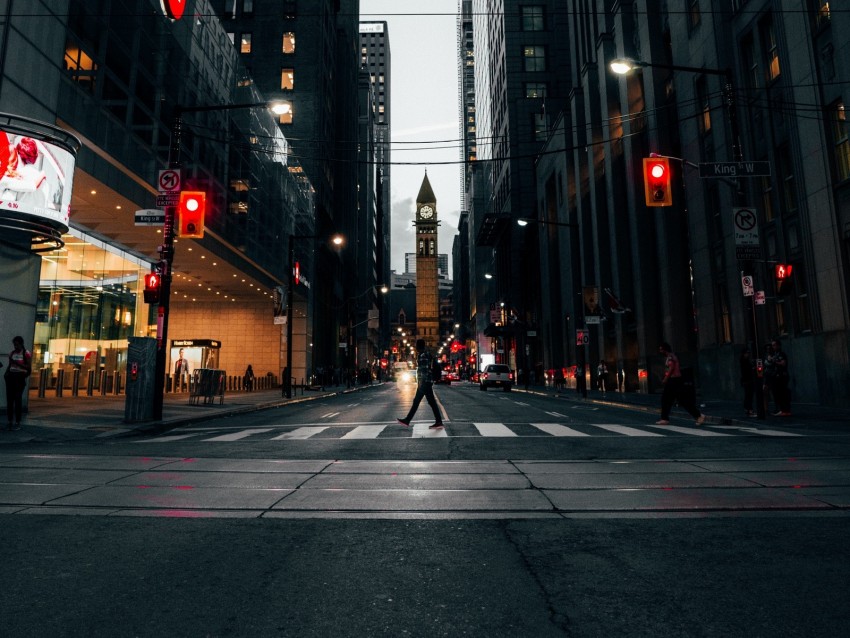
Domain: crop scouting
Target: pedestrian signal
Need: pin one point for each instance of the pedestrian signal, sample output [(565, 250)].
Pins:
[(783, 279), (191, 210), (656, 181), (153, 283)]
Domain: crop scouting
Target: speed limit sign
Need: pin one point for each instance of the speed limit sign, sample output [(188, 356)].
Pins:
[(582, 337)]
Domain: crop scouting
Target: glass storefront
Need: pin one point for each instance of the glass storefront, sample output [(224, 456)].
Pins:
[(90, 302)]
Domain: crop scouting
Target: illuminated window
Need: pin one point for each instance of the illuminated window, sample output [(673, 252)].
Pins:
[(80, 66), (771, 49), (286, 118), (535, 89), (288, 43), (823, 13), (287, 79), (534, 58), (693, 14), (245, 46), (841, 141)]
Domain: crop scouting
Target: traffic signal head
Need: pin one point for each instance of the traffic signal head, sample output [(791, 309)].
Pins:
[(191, 211), (656, 181), (783, 278), (153, 281)]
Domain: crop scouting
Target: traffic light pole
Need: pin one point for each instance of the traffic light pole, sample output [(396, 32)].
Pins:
[(166, 254)]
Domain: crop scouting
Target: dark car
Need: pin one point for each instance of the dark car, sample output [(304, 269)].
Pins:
[(496, 375)]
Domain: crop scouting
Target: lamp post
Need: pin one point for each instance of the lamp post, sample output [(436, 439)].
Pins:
[(622, 66), (336, 240), (166, 249)]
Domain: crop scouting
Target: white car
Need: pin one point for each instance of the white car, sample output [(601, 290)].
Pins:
[(496, 375)]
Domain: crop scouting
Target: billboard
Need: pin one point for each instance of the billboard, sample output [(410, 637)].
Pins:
[(35, 178)]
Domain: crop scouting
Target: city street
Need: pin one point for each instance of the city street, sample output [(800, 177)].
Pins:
[(528, 515)]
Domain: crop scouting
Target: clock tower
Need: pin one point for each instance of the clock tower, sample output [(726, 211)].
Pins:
[(427, 288)]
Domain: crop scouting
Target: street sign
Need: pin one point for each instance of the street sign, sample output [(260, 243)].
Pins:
[(747, 244), (760, 299), (582, 337), (734, 169), (747, 285), (150, 217), (592, 320), (171, 199), (169, 180)]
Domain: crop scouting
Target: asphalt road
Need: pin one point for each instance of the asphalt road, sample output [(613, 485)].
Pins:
[(328, 518)]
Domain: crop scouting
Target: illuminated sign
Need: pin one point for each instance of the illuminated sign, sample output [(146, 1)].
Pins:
[(173, 8), (371, 27), (36, 177)]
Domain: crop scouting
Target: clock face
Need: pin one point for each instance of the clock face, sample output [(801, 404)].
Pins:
[(426, 212)]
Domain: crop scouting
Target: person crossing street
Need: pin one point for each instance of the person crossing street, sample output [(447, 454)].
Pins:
[(425, 386)]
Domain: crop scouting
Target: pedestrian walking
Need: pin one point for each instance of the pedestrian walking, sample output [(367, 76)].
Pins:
[(675, 390), (602, 376), (748, 379), (16, 375), (248, 379), (424, 386), (769, 376), (781, 378), (581, 380), (560, 381)]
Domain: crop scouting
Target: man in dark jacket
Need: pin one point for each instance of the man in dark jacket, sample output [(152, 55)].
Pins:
[(425, 386)]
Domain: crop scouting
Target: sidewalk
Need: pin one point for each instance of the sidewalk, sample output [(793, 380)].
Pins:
[(85, 417)]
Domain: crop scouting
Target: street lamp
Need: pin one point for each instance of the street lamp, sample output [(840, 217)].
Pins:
[(525, 221), (166, 249), (336, 240), (623, 66)]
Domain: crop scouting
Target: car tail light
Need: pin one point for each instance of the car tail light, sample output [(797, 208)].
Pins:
[(483, 375), (510, 376)]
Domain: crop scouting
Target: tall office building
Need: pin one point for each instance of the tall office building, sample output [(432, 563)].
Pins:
[(521, 77), (307, 54)]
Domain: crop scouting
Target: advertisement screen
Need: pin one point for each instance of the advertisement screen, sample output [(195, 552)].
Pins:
[(35, 178)]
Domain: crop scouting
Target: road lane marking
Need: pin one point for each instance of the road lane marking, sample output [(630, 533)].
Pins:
[(168, 439), (623, 429), (300, 433), (556, 429), (235, 436), (750, 430), (364, 432), (694, 431), (521, 403), (494, 429), (329, 415), (558, 414), (423, 431)]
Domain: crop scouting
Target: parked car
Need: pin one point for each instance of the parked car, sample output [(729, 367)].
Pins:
[(496, 375)]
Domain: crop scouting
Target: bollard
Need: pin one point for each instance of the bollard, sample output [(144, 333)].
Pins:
[(103, 379), (42, 382), (116, 384), (75, 383), (60, 381), (90, 383)]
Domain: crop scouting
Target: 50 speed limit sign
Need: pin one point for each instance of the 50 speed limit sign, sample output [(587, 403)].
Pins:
[(582, 337)]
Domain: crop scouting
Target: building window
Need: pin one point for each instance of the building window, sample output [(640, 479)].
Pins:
[(229, 9), (841, 141), (80, 66), (540, 122), (247, 6), (287, 79), (693, 14), (533, 18), (534, 57), (767, 198), (823, 15), (288, 43), (785, 172), (771, 50), (245, 46), (535, 89)]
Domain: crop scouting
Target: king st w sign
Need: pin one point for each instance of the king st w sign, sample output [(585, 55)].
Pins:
[(734, 169)]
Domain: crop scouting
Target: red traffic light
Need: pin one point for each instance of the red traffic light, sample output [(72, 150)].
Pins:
[(656, 181), (152, 287), (191, 210)]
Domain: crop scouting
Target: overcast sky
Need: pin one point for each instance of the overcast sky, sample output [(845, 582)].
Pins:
[(424, 114)]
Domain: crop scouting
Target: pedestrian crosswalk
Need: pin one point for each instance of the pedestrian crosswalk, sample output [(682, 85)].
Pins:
[(417, 430)]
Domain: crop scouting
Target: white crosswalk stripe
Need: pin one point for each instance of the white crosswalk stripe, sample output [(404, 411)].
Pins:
[(555, 429), (494, 429), (375, 430)]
